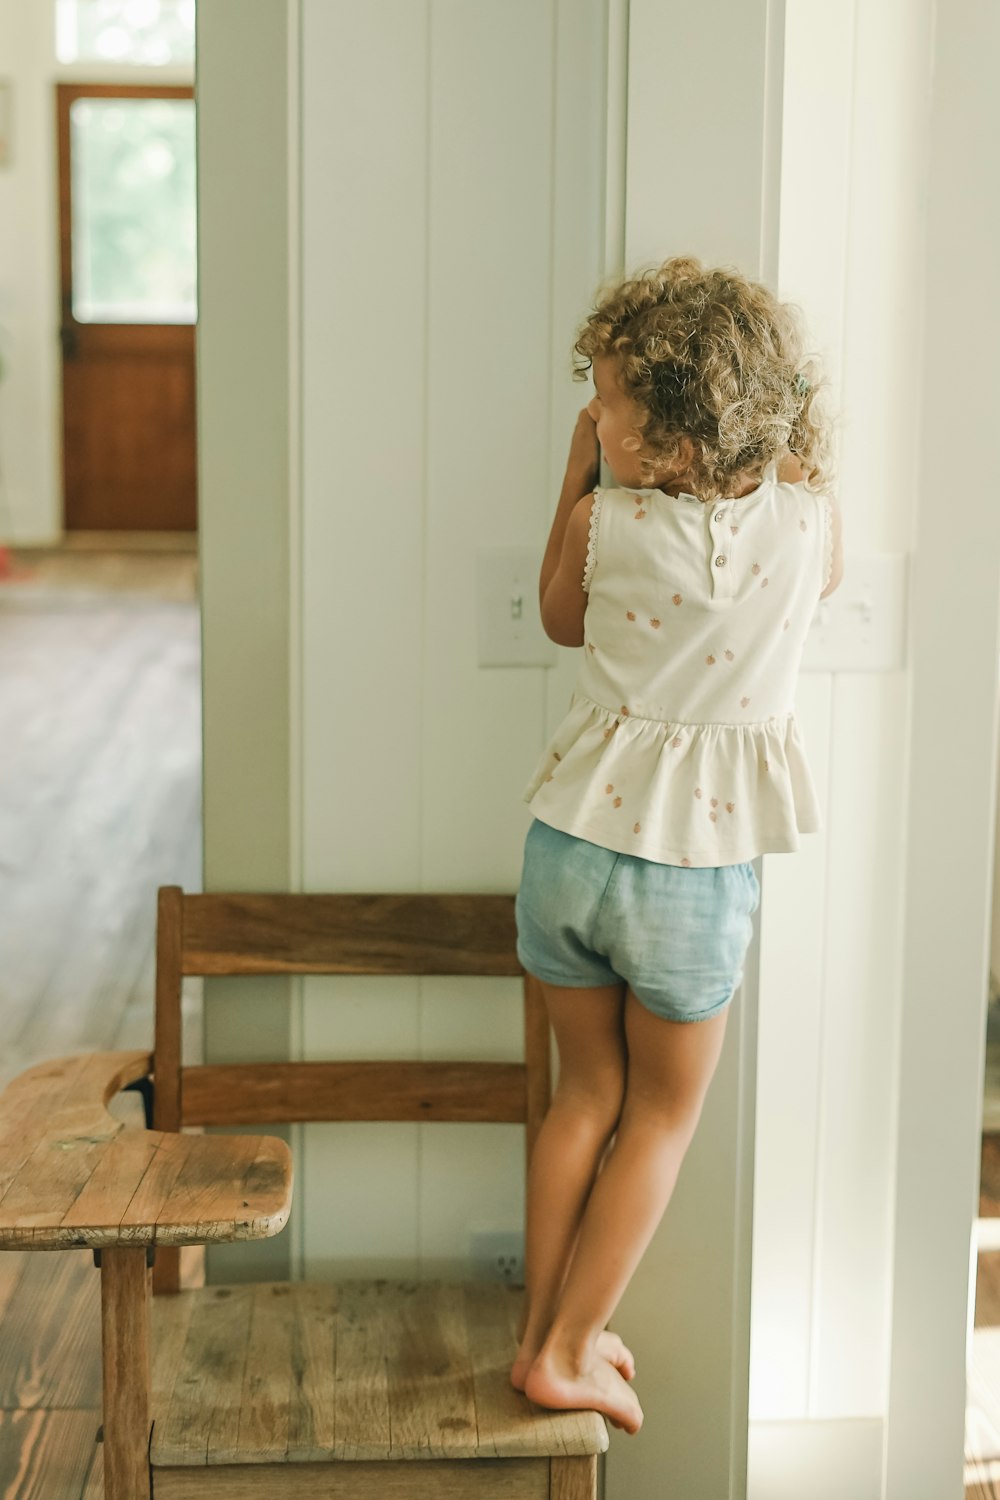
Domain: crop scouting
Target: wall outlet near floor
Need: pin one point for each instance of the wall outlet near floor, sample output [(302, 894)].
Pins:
[(498, 1255)]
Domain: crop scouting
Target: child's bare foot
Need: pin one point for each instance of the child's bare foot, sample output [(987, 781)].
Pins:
[(609, 1347), (556, 1383)]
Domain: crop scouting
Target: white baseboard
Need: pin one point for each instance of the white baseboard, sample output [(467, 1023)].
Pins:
[(826, 1460)]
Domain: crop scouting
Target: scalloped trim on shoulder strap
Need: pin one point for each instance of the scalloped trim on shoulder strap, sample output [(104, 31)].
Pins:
[(827, 537), (588, 571)]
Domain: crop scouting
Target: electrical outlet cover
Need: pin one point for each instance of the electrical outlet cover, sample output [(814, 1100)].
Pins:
[(498, 1255)]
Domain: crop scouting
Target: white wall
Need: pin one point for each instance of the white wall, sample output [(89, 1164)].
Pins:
[(952, 789), (449, 242), (31, 504), (856, 99)]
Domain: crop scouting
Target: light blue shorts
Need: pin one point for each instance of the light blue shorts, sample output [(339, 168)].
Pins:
[(589, 916)]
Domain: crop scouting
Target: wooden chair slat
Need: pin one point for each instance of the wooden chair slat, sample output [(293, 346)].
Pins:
[(308, 933), (411, 1371), (283, 1093)]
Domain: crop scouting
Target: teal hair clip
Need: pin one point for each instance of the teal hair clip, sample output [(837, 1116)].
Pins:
[(802, 385)]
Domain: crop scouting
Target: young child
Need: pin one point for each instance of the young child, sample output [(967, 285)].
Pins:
[(691, 589)]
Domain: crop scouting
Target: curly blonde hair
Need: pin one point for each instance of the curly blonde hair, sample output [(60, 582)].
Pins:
[(710, 355)]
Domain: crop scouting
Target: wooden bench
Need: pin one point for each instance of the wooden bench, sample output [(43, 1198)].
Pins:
[(364, 1390)]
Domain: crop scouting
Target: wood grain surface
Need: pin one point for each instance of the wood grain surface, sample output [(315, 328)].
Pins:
[(73, 1174), (375, 1371)]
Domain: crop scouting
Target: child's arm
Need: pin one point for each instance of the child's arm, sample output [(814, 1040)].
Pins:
[(561, 598), (563, 601)]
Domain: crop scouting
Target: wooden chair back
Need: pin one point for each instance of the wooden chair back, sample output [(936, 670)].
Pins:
[(291, 933)]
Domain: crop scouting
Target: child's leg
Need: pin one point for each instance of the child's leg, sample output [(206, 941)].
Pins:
[(670, 1066), (590, 1035)]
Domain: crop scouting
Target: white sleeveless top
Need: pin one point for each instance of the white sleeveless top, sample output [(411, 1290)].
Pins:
[(680, 742)]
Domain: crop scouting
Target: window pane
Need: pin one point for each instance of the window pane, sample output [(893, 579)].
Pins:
[(128, 31), (133, 210)]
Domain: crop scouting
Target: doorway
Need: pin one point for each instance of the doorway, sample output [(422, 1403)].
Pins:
[(126, 166)]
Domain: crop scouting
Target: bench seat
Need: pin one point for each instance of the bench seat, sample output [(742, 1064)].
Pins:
[(370, 1371)]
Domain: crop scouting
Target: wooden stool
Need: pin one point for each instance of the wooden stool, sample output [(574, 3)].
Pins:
[(364, 1390)]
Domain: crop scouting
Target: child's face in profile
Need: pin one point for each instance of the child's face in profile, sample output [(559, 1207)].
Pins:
[(616, 417), (619, 426)]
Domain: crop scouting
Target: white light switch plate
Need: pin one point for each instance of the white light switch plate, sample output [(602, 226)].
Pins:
[(861, 626), (510, 627)]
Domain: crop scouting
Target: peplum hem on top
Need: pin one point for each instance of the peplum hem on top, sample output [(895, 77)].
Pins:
[(678, 793)]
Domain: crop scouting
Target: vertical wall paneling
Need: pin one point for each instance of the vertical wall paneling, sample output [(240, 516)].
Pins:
[(487, 392), (951, 784), (364, 352), (815, 154), (450, 244), (293, 86), (243, 478), (702, 164), (852, 1285), (789, 1092), (875, 272)]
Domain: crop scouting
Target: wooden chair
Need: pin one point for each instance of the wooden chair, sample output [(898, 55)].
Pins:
[(365, 1390)]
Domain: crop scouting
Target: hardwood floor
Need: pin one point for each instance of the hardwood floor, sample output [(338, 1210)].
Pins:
[(100, 770)]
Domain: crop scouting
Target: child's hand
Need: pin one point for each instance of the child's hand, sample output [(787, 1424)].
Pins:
[(584, 460)]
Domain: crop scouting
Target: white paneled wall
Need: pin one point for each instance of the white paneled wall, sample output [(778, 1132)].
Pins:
[(453, 232), (851, 254)]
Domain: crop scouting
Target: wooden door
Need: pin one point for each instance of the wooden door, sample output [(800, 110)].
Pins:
[(127, 255)]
